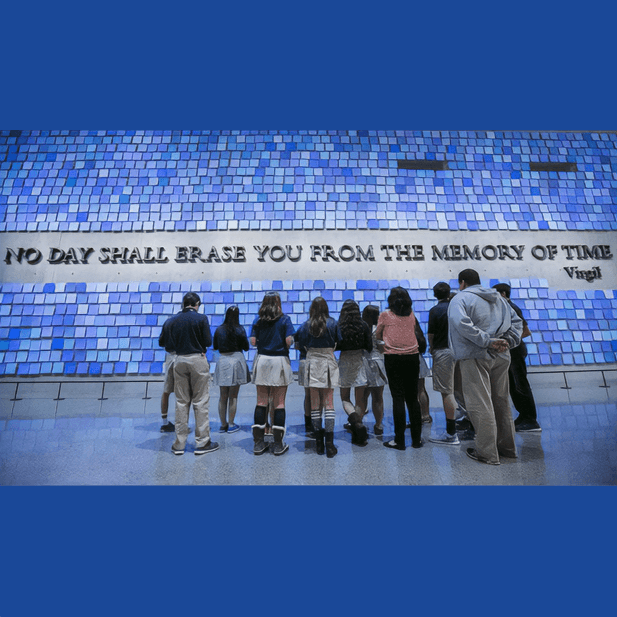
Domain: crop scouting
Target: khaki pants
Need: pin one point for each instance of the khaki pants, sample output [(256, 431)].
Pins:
[(487, 399), (192, 385)]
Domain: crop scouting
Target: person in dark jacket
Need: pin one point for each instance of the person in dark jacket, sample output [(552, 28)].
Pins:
[(272, 333), (520, 390), (375, 370), (231, 371), (443, 362), (317, 337), (355, 338), (188, 334)]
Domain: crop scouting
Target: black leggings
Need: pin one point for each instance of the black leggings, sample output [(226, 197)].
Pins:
[(402, 372)]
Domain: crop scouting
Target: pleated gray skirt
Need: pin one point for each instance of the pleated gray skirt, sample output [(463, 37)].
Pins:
[(320, 369), (272, 371), (375, 369), (352, 369), (231, 370)]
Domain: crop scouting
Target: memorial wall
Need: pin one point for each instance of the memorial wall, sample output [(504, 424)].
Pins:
[(102, 232)]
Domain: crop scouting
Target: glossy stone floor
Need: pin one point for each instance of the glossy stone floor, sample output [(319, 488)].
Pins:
[(107, 433)]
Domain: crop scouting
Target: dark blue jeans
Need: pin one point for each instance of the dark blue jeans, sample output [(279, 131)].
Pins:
[(402, 372)]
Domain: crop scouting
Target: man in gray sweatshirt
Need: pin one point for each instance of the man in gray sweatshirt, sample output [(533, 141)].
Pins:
[(482, 329)]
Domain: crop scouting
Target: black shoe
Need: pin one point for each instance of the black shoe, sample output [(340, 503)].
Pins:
[(209, 447), (417, 444), (528, 427), (331, 449), (280, 447), (260, 445), (359, 434), (168, 428), (463, 425), (319, 441), (471, 453), (177, 452), (392, 444)]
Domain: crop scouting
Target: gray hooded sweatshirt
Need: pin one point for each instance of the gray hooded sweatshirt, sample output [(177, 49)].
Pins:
[(475, 316)]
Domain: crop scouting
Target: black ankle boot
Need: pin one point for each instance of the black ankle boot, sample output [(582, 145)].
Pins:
[(260, 445), (359, 434), (319, 441), (331, 449), (280, 447)]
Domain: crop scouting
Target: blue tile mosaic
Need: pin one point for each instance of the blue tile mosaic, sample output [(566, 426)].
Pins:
[(225, 180), (127, 181), (568, 327)]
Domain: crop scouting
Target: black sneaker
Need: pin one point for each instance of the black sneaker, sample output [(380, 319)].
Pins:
[(528, 427), (463, 425), (168, 428), (472, 453), (177, 452), (393, 445), (209, 447)]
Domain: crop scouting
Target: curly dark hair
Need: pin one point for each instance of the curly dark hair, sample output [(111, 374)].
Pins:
[(350, 323), (318, 317), (399, 302)]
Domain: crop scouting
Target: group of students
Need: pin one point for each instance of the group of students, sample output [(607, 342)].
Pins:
[(376, 348)]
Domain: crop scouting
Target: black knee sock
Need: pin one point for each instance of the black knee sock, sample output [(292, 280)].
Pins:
[(450, 427), (279, 417), (261, 414)]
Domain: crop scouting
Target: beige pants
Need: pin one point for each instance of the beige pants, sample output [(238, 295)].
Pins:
[(487, 399), (192, 385)]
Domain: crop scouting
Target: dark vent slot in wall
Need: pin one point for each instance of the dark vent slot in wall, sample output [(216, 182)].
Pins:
[(422, 164), (552, 167)]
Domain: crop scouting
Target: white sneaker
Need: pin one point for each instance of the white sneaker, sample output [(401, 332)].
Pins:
[(445, 439)]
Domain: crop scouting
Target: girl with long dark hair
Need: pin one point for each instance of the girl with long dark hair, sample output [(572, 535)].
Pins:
[(272, 334), (354, 338), (375, 370), (317, 337), (231, 369), (397, 329)]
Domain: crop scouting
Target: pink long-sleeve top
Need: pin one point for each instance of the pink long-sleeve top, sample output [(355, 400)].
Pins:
[(397, 333)]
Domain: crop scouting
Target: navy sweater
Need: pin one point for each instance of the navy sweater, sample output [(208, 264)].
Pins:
[(186, 333)]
